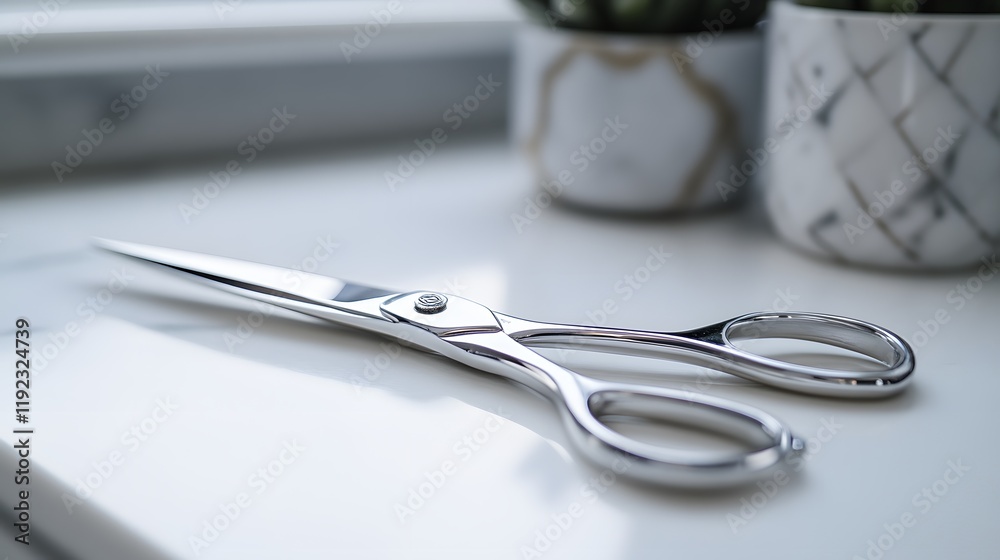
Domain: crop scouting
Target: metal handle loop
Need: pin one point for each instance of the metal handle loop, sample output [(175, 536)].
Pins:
[(584, 402), (862, 337), (713, 347)]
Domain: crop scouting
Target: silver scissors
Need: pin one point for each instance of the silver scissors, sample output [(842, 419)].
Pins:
[(474, 335)]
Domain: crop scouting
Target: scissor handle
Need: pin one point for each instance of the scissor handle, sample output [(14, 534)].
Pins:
[(585, 403), (713, 347), (497, 343)]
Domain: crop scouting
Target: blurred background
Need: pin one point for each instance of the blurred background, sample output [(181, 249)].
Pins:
[(866, 129), (229, 64), (652, 164)]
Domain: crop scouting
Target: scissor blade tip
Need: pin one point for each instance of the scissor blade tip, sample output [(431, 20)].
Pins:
[(108, 244), (129, 249)]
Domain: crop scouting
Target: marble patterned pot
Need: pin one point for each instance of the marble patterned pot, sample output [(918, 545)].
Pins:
[(632, 123), (900, 167)]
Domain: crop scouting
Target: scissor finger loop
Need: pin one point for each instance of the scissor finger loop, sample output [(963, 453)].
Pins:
[(714, 347)]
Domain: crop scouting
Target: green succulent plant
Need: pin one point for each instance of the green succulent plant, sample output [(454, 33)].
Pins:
[(647, 16), (910, 6)]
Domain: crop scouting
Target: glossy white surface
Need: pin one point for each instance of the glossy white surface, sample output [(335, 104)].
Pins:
[(449, 228)]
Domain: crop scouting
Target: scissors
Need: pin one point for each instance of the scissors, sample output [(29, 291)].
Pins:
[(474, 335)]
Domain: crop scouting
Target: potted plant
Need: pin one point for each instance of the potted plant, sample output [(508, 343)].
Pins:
[(900, 167), (637, 105)]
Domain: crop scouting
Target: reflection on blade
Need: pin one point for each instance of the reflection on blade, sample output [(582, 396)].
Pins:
[(257, 278)]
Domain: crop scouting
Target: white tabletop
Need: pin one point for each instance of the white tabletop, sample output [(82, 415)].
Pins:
[(220, 388)]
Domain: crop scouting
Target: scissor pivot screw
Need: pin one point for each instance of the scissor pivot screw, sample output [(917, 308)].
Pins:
[(430, 303)]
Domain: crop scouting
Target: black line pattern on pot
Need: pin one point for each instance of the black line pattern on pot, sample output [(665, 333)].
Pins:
[(906, 225)]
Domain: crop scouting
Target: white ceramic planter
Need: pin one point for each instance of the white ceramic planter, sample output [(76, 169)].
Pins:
[(900, 167), (635, 123)]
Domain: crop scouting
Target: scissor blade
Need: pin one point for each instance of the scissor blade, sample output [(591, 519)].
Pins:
[(283, 286)]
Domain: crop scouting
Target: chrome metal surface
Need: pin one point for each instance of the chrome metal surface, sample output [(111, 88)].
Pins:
[(430, 303), (461, 315), (713, 347), (312, 294), (584, 402), (474, 335)]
